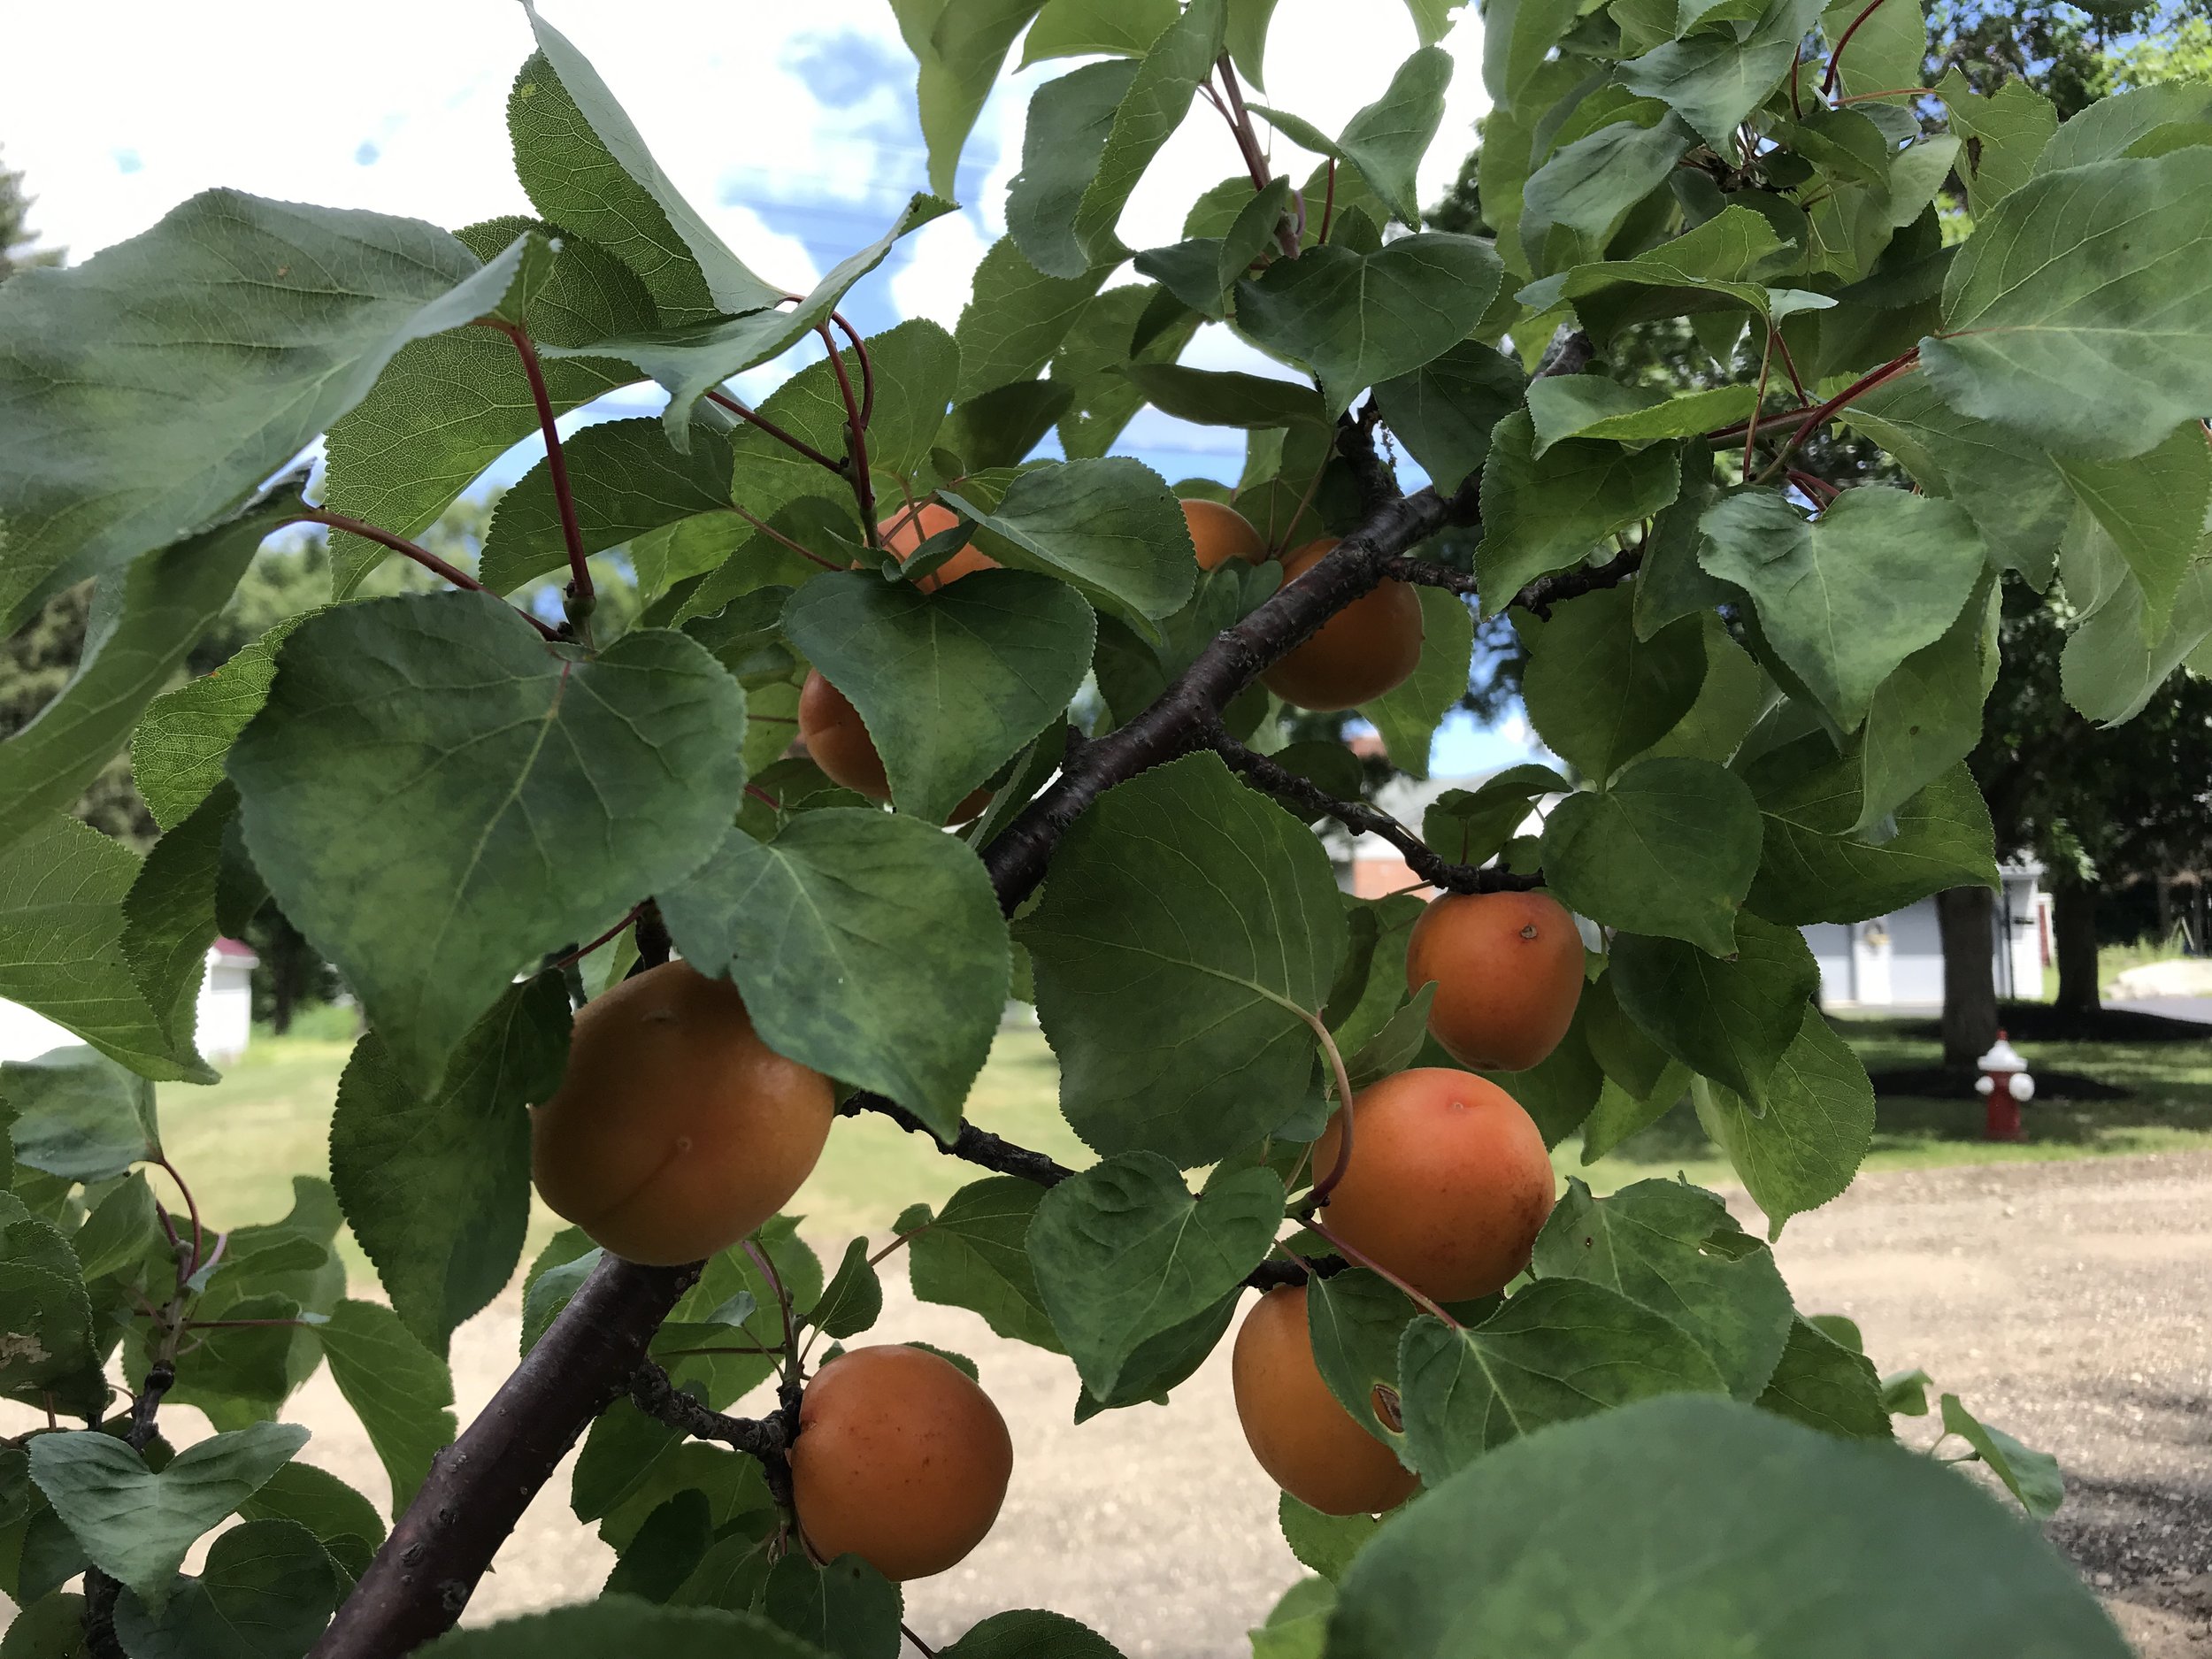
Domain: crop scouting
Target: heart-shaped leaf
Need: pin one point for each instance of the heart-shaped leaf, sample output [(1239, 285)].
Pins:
[(436, 799), (948, 684), (135, 1525), (1123, 1251), (867, 945), (1111, 527), (266, 1593), (1729, 1019), (1671, 848)]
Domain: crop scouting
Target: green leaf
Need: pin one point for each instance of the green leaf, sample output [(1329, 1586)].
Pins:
[(2100, 346), (1161, 1363), (1846, 597), (1326, 1543), (1123, 1252), (625, 478), (974, 1254), (122, 1228), (51, 1627), (1671, 848), (2111, 668), (448, 406), (79, 1116), (401, 1391), (962, 44), (1887, 49), (2003, 134), (1587, 406), (1561, 1349), (585, 168), (1827, 1386), (1443, 411), (1028, 1634), (847, 1609), (267, 320), (1621, 1112), (1596, 694), (1015, 319), (180, 743), (1714, 79), (51, 1352), (1730, 1018), (1111, 529), (143, 621), (1064, 144), (1814, 868), (621, 1624), (1081, 28), (169, 917), (1407, 715), (1356, 318), (1720, 265), (2135, 122), (1927, 715), (1217, 398), (1577, 199), (1121, 326), (1206, 945), (853, 1297), (2032, 1477), (1472, 827), (1517, 37), (587, 784), (1675, 1250), (2154, 510), (917, 366), (1355, 1321), (690, 360), (1387, 139), (867, 945), (1540, 1546), (436, 1187), (1545, 515), (346, 1523), (1807, 1142), (62, 890), (266, 1593), (135, 1525), (951, 684)]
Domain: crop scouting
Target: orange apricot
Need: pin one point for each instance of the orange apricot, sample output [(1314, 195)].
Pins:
[(905, 531), (1508, 972), (676, 1131), (1309, 1445), (1219, 533), (901, 1459), (1371, 646), (1448, 1182)]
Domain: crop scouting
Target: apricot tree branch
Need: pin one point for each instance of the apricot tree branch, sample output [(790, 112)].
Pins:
[(1362, 819), (581, 601), (422, 556)]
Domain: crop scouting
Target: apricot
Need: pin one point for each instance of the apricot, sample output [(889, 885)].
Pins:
[(1220, 533), (905, 531), (1448, 1183), (1508, 972), (676, 1131), (837, 741), (1310, 1445), (1371, 646), (901, 1459)]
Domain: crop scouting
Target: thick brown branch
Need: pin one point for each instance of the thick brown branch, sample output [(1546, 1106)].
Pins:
[(479, 1486), (1362, 819), (1541, 595)]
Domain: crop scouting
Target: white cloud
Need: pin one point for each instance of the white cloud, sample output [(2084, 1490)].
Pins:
[(935, 282)]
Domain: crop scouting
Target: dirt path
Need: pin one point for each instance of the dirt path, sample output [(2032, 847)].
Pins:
[(2071, 1302)]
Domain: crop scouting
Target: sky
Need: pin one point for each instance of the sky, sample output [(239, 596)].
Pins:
[(791, 129)]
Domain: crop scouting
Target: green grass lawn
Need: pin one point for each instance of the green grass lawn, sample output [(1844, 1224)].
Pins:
[(241, 1141)]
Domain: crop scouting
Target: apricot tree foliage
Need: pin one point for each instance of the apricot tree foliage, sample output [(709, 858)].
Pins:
[(1763, 680)]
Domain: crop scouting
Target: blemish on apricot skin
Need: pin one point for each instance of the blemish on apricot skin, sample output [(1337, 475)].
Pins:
[(1528, 929)]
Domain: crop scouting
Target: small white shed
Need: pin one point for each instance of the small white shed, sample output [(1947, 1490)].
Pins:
[(223, 1019), (1896, 961)]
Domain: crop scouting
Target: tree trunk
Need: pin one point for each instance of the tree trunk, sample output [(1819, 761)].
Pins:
[(1965, 917), (2074, 941)]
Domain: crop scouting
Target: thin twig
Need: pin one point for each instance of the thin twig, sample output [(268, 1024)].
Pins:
[(1327, 1184), (1359, 1258), (581, 951), (855, 442), (192, 1209), (776, 535), (1328, 203), (422, 556), (867, 369), (1835, 58), (1903, 364), (581, 599), (723, 401), (1248, 145)]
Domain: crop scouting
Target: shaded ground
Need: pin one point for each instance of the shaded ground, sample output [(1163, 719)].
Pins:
[(2065, 1301)]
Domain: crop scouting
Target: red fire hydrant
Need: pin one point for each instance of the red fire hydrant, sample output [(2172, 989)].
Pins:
[(2006, 1085)]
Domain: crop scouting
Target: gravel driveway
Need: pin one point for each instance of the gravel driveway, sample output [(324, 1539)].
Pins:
[(2066, 1301)]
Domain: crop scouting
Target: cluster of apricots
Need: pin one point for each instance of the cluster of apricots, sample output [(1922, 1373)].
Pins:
[(674, 1133), (1365, 649), (1445, 1188)]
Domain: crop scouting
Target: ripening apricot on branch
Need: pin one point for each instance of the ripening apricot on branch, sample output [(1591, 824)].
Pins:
[(676, 1131), (1309, 1445), (1370, 647), (903, 533), (1447, 1184), (1507, 972), (1219, 533), (901, 1459)]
